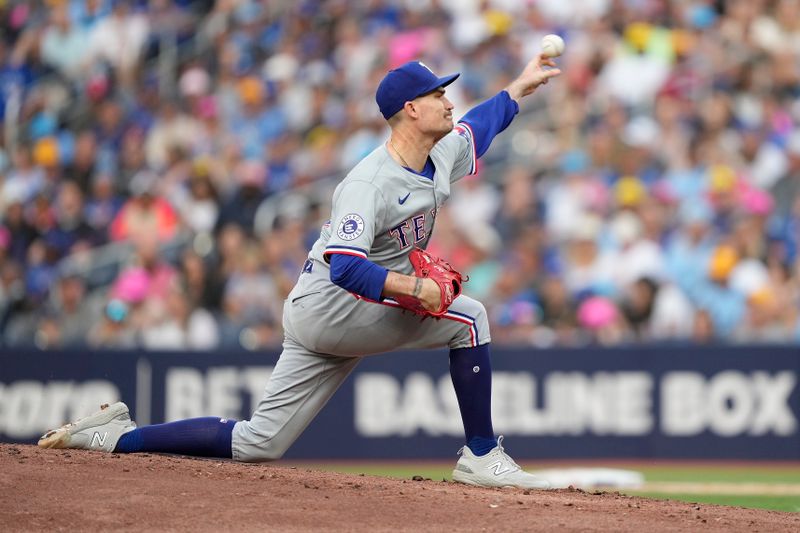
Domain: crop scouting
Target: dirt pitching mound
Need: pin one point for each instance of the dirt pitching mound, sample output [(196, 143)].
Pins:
[(74, 490)]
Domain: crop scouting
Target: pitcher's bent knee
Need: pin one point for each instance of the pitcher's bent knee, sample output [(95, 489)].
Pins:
[(472, 314), (252, 446)]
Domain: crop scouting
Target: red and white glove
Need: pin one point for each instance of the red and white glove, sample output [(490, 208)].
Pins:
[(445, 276)]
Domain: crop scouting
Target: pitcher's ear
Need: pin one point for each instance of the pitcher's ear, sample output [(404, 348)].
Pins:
[(411, 109)]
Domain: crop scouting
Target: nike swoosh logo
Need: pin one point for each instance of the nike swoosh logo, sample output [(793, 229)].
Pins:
[(403, 199)]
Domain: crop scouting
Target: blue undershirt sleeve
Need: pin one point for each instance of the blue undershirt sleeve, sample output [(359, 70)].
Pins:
[(358, 275), (489, 118)]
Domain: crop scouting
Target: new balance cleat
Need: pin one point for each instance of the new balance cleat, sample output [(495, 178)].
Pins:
[(98, 431), (495, 469)]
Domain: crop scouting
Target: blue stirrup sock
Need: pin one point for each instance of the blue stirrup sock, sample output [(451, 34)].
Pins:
[(200, 437), (482, 445), (471, 372)]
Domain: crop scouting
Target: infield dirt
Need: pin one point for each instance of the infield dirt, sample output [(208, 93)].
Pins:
[(60, 490)]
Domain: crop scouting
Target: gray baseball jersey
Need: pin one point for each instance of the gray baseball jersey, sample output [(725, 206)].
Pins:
[(380, 211)]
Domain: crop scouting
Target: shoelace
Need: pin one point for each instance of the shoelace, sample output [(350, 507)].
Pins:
[(504, 455), (500, 452), (508, 458)]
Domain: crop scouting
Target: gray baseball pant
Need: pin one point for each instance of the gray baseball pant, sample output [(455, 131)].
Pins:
[(327, 331)]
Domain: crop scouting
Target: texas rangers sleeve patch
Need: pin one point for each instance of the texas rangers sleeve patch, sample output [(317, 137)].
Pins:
[(351, 227)]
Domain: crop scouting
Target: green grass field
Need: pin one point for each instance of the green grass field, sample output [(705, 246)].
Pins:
[(765, 487), (774, 487)]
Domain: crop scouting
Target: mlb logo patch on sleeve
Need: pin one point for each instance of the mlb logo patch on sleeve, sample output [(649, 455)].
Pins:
[(351, 227)]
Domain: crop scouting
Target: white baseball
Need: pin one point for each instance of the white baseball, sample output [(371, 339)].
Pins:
[(552, 45)]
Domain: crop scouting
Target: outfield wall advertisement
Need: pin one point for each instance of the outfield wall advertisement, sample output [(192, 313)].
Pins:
[(665, 402)]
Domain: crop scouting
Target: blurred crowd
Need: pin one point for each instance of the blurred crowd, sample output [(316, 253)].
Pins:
[(189, 148)]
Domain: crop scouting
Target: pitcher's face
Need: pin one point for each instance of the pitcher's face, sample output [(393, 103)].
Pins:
[(435, 113)]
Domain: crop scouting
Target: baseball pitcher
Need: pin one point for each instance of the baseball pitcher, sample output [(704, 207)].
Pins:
[(362, 290)]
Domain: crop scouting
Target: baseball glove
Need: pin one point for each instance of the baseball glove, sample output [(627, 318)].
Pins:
[(446, 277)]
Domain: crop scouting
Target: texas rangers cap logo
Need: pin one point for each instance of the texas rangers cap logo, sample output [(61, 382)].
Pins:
[(351, 227)]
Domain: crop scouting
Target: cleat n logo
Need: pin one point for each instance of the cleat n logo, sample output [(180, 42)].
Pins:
[(498, 468), (100, 441)]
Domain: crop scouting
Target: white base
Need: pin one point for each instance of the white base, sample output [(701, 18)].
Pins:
[(590, 478)]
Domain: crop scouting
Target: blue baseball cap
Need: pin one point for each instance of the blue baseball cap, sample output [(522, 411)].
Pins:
[(405, 83)]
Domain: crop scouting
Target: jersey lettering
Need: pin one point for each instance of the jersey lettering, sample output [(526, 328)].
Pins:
[(399, 232), (417, 227), (418, 223)]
